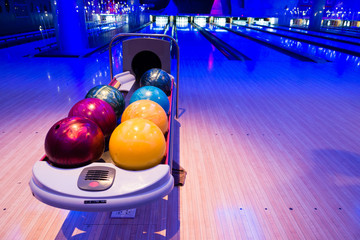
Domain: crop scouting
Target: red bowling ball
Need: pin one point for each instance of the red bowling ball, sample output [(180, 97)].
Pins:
[(98, 111), (74, 142)]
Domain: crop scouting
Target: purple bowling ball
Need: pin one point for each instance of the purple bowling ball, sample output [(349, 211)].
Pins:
[(98, 111), (74, 142)]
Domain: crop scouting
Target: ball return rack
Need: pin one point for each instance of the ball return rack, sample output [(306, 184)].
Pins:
[(102, 186)]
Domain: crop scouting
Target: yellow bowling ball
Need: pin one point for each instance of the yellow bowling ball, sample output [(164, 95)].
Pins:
[(137, 144), (149, 110)]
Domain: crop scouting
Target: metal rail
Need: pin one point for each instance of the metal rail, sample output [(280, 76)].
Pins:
[(122, 35)]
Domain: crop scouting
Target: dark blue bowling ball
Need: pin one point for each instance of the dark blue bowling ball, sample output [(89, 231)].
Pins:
[(151, 93), (110, 95), (157, 78)]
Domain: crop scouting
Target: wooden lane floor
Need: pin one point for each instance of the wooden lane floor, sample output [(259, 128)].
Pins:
[(273, 153), (271, 149)]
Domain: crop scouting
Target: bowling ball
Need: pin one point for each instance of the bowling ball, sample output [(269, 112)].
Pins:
[(149, 110), (137, 144), (98, 111), (157, 78), (151, 93), (73, 142), (110, 95)]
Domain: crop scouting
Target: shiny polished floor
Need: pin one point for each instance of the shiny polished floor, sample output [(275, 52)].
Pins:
[(271, 145)]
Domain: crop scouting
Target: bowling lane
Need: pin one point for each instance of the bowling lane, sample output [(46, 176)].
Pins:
[(300, 47), (155, 27), (320, 34), (344, 32), (253, 50), (193, 45), (310, 38)]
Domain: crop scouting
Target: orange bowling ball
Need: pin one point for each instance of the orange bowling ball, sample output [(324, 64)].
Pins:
[(137, 144), (149, 110)]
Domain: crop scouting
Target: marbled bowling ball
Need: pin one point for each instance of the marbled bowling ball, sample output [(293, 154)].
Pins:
[(149, 110), (151, 93), (98, 111), (110, 95), (157, 78), (74, 142)]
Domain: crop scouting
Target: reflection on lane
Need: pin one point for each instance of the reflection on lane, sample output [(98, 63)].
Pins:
[(156, 27), (193, 45), (252, 49), (300, 47), (329, 42), (343, 31), (320, 34)]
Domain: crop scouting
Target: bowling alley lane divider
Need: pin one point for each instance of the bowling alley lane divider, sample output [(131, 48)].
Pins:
[(302, 57), (308, 33), (319, 44), (228, 51)]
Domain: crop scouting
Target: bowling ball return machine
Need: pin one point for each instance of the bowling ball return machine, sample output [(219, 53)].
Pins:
[(102, 186)]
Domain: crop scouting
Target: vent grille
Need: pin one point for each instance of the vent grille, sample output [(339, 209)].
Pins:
[(97, 178), (97, 175)]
